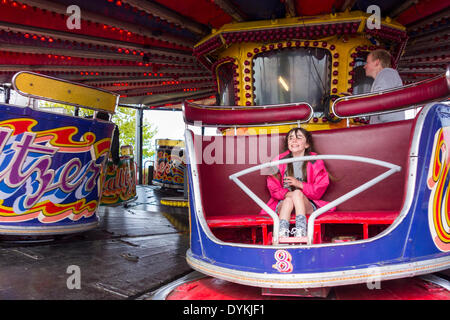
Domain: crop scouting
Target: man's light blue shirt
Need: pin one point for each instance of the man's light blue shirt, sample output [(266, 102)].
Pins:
[(387, 78)]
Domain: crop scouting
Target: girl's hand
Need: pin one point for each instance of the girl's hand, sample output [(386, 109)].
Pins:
[(292, 182)]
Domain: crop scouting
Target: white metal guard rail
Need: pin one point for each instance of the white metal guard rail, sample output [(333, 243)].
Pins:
[(276, 221)]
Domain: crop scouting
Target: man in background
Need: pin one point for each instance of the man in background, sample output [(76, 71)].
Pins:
[(115, 143), (378, 67)]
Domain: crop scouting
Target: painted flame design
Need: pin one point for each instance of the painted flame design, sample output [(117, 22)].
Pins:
[(438, 182), (46, 211)]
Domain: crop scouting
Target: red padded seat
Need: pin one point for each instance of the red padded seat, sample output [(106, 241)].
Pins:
[(225, 205), (364, 218)]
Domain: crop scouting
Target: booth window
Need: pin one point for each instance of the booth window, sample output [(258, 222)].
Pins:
[(226, 84), (362, 83), (292, 75), (2, 94)]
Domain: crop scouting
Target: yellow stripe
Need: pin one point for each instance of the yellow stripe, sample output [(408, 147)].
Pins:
[(47, 88), (173, 203), (170, 143)]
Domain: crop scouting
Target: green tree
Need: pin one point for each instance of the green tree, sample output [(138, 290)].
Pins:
[(66, 109), (125, 119)]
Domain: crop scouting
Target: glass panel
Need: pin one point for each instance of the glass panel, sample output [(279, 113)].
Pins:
[(292, 75), (2, 95), (226, 84), (362, 83)]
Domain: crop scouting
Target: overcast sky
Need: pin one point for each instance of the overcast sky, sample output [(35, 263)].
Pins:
[(170, 125)]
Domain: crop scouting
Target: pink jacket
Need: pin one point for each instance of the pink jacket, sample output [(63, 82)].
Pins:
[(314, 188)]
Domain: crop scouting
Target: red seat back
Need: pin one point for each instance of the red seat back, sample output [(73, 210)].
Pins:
[(388, 142), (220, 195)]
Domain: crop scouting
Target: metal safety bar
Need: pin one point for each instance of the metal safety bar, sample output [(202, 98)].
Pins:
[(310, 230)]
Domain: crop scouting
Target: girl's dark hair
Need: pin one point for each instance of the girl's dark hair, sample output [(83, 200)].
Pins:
[(309, 141)]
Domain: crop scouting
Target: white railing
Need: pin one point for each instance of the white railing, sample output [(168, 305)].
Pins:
[(310, 231)]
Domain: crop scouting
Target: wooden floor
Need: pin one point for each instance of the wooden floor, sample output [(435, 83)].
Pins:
[(134, 251)]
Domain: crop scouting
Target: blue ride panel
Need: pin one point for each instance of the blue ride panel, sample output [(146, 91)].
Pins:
[(50, 171), (429, 234), (417, 242)]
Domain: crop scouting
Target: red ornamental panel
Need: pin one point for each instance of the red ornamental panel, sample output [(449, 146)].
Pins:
[(202, 11), (35, 17)]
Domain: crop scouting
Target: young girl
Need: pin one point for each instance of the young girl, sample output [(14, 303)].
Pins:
[(298, 185)]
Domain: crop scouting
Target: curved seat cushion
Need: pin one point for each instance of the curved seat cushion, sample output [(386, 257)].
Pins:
[(398, 98)]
